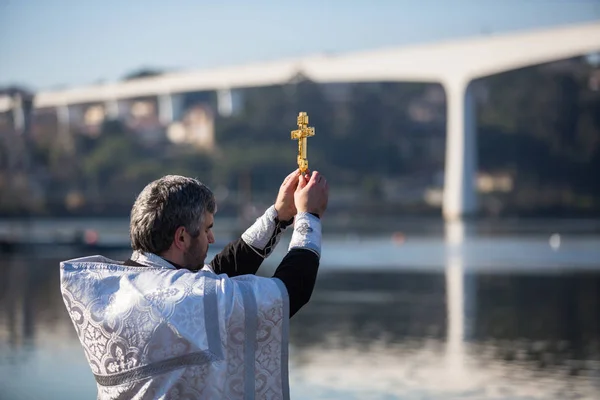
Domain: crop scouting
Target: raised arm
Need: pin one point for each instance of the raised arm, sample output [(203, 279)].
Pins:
[(298, 269), (246, 254)]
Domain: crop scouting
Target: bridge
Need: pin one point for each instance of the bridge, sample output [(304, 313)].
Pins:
[(453, 63)]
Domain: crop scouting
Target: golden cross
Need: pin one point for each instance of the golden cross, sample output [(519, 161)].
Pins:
[(301, 134)]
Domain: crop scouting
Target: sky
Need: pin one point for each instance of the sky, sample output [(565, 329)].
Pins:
[(48, 44)]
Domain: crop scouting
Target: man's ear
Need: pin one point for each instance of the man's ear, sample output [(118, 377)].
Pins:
[(180, 239)]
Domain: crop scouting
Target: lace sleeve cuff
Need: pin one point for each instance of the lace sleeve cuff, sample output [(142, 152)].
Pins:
[(307, 233), (265, 233)]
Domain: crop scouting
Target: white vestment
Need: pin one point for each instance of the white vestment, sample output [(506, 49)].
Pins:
[(155, 331), (158, 332)]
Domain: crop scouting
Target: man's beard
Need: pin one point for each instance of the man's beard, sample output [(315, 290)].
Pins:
[(194, 257)]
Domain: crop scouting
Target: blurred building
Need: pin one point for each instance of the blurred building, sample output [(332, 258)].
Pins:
[(197, 128)]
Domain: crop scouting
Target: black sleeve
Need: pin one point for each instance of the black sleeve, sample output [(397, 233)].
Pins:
[(240, 258), (298, 272), (237, 258)]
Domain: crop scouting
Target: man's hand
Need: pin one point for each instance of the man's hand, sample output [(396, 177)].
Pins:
[(312, 194), (284, 204)]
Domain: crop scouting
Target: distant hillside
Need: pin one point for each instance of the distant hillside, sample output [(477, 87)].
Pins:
[(382, 146)]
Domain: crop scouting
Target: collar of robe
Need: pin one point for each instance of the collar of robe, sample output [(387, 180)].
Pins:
[(152, 260)]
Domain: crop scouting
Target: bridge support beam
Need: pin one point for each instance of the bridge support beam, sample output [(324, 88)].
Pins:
[(460, 196), (18, 114), (63, 118), (229, 102), (114, 109), (170, 108), (225, 102)]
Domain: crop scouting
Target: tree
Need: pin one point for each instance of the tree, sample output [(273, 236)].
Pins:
[(143, 73)]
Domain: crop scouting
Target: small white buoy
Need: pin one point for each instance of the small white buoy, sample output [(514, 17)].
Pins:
[(554, 241)]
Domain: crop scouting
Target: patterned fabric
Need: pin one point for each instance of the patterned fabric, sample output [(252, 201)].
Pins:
[(265, 233), (307, 233), (156, 332)]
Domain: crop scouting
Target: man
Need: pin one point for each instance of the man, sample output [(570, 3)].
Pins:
[(164, 325)]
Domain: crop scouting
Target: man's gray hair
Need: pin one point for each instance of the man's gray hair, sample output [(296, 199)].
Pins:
[(165, 205)]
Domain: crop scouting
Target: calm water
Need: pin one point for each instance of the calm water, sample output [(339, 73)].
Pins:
[(450, 316)]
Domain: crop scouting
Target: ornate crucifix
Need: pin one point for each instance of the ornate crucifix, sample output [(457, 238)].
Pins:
[(301, 134)]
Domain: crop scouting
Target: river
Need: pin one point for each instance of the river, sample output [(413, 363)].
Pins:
[(463, 314)]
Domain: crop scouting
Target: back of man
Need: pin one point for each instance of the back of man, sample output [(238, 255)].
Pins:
[(158, 332), (155, 326)]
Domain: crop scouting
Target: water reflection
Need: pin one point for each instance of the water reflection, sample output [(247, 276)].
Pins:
[(460, 301), (462, 334), (453, 333), (18, 319)]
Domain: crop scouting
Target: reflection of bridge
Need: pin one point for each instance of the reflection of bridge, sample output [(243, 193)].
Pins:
[(455, 64), (454, 334)]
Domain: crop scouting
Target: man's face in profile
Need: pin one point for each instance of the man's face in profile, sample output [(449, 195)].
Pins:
[(196, 254)]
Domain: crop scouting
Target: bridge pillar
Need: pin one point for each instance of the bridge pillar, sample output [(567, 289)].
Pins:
[(229, 102), (63, 117), (224, 102), (170, 107), (460, 197), (18, 114), (22, 108), (114, 109), (18, 160)]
